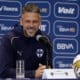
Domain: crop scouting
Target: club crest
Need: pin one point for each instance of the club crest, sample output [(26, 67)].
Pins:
[(39, 53)]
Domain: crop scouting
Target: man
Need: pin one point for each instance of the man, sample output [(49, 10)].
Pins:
[(21, 43)]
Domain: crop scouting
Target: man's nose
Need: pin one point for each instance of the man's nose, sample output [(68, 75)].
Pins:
[(31, 24)]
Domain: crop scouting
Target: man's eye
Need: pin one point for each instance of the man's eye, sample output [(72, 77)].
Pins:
[(35, 21), (27, 21)]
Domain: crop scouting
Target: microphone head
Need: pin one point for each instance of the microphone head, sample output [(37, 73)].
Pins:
[(43, 39), (38, 37)]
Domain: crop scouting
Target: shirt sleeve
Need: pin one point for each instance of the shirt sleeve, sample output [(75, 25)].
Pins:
[(6, 58)]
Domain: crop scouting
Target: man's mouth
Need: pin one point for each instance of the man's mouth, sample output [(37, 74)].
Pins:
[(31, 29)]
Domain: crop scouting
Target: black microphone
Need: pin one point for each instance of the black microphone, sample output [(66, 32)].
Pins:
[(43, 39)]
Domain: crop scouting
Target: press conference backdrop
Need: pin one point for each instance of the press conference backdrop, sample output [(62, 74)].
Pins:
[(60, 20)]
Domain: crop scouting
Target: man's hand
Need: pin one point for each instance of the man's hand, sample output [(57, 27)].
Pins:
[(39, 71)]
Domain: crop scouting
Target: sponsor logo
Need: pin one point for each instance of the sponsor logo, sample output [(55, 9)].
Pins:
[(63, 61), (10, 9), (3, 27), (63, 10), (66, 28), (63, 65), (66, 10), (65, 46), (44, 10), (43, 27), (62, 29)]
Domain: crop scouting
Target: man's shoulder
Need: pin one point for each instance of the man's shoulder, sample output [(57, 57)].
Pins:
[(15, 32), (9, 34)]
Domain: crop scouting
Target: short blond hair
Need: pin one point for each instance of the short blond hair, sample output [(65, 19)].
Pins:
[(31, 8)]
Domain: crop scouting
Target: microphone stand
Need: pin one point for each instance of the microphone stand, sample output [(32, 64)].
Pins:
[(49, 46), (47, 59)]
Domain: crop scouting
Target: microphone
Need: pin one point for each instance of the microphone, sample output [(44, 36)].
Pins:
[(43, 39)]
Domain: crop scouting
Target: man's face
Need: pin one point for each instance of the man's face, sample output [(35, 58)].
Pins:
[(30, 22)]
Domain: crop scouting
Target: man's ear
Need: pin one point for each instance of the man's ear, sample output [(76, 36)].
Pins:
[(40, 20)]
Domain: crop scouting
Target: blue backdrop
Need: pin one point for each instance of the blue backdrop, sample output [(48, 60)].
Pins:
[(60, 20)]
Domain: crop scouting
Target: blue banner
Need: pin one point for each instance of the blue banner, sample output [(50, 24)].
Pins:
[(60, 20)]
